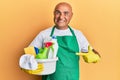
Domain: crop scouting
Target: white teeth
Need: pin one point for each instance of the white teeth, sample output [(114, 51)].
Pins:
[(61, 21)]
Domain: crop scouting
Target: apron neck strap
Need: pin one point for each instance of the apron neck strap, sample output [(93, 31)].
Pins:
[(68, 27)]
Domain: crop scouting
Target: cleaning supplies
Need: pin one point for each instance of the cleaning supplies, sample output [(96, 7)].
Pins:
[(31, 50), (40, 61), (27, 61), (53, 52), (55, 46)]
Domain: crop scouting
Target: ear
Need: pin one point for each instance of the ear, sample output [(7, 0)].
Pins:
[(71, 14)]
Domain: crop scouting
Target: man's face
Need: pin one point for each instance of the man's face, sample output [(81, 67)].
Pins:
[(62, 16)]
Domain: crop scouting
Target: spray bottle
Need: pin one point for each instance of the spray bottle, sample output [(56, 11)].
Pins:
[(55, 46), (53, 52)]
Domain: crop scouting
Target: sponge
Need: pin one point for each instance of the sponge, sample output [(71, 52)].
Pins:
[(31, 50)]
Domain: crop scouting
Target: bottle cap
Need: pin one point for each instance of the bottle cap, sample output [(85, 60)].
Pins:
[(54, 37)]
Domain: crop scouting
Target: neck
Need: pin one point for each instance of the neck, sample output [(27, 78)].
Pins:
[(61, 28)]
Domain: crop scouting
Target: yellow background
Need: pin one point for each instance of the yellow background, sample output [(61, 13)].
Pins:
[(22, 20)]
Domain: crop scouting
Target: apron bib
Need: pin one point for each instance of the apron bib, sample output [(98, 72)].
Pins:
[(67, 66)]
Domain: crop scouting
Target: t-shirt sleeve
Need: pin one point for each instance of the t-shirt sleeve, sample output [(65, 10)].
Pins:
[(37, 41), (82, 41)]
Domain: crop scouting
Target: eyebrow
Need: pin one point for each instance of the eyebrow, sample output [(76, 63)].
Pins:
[(56, 10), (60, 11)]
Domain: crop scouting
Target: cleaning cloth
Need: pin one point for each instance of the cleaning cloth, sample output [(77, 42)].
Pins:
[(27, 61)]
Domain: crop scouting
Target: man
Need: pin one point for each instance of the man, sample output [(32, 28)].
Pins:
[(70, 42)]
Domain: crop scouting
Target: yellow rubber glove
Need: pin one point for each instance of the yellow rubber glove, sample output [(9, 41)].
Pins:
[(91, 56), (37, 71)]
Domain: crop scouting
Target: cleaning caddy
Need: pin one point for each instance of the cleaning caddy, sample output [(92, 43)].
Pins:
[(40, 61)]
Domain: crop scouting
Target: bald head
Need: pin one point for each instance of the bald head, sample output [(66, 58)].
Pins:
[(63, 4)]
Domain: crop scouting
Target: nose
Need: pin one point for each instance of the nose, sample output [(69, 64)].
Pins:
[(61, 16)]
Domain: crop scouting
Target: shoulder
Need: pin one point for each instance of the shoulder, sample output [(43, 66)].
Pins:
[(48, 30), (45, 32), (77, 32)]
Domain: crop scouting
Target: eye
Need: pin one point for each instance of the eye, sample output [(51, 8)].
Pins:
[(57, 12), (66, 13)]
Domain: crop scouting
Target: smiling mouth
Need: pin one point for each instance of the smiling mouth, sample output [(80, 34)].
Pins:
[(61, 21)]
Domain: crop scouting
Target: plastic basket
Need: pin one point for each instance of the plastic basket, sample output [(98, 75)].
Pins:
[(48, 64)]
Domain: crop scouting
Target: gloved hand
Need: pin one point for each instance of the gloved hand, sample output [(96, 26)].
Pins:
[(91, 56), (37, 71)]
